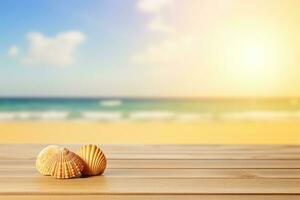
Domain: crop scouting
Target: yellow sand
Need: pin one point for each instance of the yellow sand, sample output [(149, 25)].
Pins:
[(151, 132)]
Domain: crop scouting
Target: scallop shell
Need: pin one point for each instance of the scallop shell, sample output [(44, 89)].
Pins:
[(95, 161), (65, 164), (43, 156)]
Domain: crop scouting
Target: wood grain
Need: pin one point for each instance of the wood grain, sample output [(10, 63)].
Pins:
[(22, 151), (151, 197), (114, 185), (177, 164), (174, 173), (162, 172)]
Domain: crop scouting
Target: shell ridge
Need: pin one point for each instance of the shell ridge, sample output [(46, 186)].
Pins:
[(95, 160)]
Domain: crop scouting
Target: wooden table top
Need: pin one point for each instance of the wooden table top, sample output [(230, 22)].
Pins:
[(161, 172)]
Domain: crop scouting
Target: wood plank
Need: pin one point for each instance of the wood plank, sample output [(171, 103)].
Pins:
[(175, 173), (205, 173), (183, 156), (201, 164), (201, 148), (177, 164), (162, 172), (166, 152), (30, 151), (103, 185), (228, 156), (151, 197)]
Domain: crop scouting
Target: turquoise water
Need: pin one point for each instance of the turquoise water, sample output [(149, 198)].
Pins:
[(105, 109)]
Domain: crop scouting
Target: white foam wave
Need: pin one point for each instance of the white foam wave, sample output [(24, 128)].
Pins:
[(51, 115), (110, 103), (152, 115), (105, 116), (25, 115), (6, 116), (47, 115), (192, 117), (259, 116)]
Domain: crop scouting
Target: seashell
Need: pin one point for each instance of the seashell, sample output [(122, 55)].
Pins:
[(95, 160), (43, 156), (64, 164)]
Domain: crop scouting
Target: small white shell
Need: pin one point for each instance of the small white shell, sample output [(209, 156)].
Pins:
[(44, 156)]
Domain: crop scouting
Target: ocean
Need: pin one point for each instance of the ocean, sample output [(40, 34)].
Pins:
[(126, 109)]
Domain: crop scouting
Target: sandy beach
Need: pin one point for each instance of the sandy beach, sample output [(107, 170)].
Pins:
[(151, 132)]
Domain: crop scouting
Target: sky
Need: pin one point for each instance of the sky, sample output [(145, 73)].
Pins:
[(150, 48)]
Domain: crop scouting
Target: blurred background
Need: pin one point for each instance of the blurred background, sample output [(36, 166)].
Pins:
[(150, 71)]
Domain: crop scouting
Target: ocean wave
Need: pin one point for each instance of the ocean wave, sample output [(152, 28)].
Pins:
[(193, 117), (259, 116), (51, 115), (104, 116), (46, 115), (110, 103), (6, 116), (152, 115)]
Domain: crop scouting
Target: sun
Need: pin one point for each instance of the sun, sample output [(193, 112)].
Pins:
[(252, 60), (254, 57)]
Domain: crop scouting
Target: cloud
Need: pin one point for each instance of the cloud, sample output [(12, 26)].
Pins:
[(166, 49), (155, 9), (187, 40), (13, 51), (152, 6), (174, 50), (157, 24), (57, 51)]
